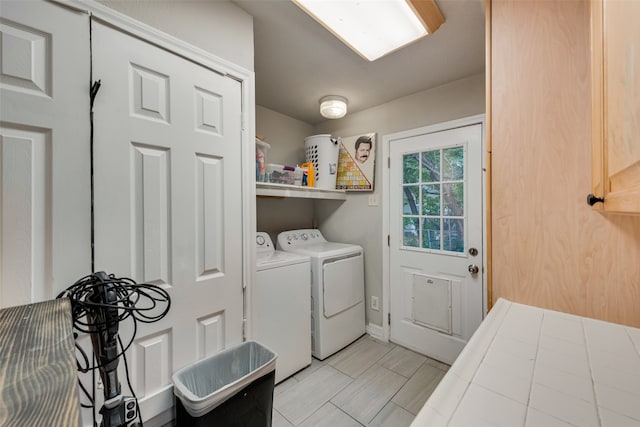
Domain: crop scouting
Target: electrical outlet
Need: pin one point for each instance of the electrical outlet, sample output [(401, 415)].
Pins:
[(375, 303), (374, 200)]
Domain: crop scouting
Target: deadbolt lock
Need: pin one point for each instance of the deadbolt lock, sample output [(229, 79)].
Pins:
[(473, 251)]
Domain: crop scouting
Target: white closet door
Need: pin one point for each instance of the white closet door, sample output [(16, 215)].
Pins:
[(45, 208), (168, 200)]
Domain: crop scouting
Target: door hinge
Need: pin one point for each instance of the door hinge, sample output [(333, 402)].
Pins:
[(388, 162), (389, 318), (244, 330), (389, 240)]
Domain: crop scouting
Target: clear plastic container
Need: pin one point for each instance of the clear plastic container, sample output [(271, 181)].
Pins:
[(261, 159), (280, 174)]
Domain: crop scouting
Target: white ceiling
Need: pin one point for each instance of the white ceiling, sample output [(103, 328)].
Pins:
[(297, 61)]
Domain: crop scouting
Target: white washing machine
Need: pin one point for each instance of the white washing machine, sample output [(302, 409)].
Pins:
[(281, 305), (337, 289)]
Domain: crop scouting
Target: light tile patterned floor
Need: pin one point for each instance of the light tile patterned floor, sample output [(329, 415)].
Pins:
[(369, 383)]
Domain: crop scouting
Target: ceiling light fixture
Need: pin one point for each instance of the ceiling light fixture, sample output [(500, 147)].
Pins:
[(333, 107), (374, 28)]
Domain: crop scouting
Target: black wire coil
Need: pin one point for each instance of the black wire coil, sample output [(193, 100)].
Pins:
[(143, 302), (140, 302)]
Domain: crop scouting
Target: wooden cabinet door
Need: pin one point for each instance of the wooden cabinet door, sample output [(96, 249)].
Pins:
[(616, 104)]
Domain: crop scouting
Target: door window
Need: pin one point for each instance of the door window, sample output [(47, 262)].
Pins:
[(433, 214)]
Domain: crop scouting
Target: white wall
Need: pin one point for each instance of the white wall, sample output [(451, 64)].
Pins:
[(286, 137), (219, 27), (354, 221)]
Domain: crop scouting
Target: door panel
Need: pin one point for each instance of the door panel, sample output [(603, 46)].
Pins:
[(435, 221), (45, 202), (168, 200)]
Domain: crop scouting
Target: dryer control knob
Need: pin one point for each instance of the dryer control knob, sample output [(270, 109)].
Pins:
[(304, 236), (260, 240)]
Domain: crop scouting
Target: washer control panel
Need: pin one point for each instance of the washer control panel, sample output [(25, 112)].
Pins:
[(300, 237), (263, 242)]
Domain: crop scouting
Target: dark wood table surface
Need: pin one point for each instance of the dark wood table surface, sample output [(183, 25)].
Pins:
[(38, 376)]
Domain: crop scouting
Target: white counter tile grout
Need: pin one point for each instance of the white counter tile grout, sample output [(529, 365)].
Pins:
[(533, 367), (527, 421)]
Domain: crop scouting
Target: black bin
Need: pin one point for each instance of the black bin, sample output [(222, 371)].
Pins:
[(231, 388)]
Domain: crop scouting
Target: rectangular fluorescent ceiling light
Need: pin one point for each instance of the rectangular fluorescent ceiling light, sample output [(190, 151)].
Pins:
[(372, 28)]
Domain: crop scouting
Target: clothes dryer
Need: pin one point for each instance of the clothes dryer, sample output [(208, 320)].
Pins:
[(281, 305), (337, 289)]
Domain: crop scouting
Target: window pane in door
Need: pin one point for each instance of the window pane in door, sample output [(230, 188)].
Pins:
[(410, 168), (431, 233), (433, 204), (453, 164), (431, 199), (411, 232), (453, 234), (430, 166), (411, 200), (453, 199)]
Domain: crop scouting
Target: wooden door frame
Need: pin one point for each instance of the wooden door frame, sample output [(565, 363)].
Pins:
[(487, 153), (384, 333)]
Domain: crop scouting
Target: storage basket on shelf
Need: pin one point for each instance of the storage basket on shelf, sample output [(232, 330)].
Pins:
[(322, 151), (282, 174)]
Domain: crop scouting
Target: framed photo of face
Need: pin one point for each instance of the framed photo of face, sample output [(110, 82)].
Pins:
[(356, 162)]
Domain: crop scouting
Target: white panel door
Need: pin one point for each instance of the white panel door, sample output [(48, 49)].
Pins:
[(45, 202), (436, 240), (168, 200)]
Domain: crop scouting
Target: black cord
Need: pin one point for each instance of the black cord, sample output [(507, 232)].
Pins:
[(134, 302), (133, 393), (87, 395), (93, 385), (137, 302), (84, 355)]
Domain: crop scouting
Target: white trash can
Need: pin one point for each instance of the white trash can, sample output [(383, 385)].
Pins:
[(322, 151)]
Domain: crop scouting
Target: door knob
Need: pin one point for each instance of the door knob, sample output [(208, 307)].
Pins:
[(592, 200), (473, 269)]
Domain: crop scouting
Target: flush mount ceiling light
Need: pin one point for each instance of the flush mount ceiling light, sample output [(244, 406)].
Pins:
[(374, 28), (333, 107)]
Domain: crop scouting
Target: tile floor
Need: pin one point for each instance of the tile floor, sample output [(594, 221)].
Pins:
[(369, 383)]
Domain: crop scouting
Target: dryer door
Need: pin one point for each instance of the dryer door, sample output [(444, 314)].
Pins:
[(343, 284)]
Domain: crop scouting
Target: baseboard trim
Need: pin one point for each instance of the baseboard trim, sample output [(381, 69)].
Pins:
[(375, 331), (164, 419)]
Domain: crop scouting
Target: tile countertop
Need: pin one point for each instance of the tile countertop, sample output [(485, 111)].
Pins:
[(532, 367)]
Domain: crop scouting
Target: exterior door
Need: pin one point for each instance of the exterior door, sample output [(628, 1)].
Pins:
[(45, 199), (436, 240), (168, 207)]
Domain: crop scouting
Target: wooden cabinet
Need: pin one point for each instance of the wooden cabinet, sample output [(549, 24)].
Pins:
[(615, 67)]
